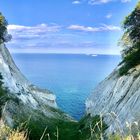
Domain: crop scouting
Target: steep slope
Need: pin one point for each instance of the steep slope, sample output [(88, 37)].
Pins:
[(19, 85), (24, 102), (117, 98)]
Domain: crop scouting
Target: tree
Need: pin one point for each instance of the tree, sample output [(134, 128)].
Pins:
[(131, 40), (4, 36)]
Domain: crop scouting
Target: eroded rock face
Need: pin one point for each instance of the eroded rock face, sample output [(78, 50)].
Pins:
[(117, 98), (19, 85), (24, 99)]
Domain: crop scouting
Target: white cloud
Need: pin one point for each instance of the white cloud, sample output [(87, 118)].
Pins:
[(96, 2), (35, 29), (27, 36), (39, 38), (83, 28), (110, 28), (76, 2), (124, 1), (24, 35), (104, 27), (49, 39), (108, 16)]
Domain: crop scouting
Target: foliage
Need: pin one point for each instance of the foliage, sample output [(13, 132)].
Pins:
[(9, 134), (131, 41), (1, 83), (131, 60), (3, 94), (131, 25), (45, 128), (4, 36), (119, 137), (92, 128), (88, 128)]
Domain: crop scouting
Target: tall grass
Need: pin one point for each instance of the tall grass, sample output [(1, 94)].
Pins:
[(7, 133), (93, 130)]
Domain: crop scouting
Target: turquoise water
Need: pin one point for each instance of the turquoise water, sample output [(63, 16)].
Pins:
[(70, 77)]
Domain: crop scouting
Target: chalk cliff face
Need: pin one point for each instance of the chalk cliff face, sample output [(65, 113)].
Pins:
[(23, 98), (117, 98)]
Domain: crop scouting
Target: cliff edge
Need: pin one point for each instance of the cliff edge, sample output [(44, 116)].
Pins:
[(23, 102), (117, 98)]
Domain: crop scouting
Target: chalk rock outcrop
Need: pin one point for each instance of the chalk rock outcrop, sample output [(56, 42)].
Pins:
[(23, 99), (117, 98)]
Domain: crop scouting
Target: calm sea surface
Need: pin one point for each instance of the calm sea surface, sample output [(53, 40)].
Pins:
[(70, 77)]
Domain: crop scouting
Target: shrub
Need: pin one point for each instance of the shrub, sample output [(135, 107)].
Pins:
[(4, 36), (131, 41), (9, 134), (131, 60)]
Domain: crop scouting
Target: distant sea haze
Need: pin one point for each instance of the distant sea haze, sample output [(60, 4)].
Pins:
[(71, 77)]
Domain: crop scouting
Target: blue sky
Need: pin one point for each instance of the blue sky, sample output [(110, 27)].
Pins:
[(65, 26)]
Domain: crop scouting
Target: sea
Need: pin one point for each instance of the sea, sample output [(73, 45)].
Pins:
[(71, 77)]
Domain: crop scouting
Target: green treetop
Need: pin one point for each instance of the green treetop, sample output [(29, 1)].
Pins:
[(131, 40), (4, 36)]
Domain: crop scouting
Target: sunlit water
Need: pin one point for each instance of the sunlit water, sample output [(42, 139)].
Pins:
[(70, 77)]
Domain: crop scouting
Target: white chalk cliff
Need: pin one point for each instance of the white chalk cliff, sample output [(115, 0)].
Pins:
[(24, 99), (117, 98)]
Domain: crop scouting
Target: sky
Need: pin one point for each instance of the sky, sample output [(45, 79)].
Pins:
[(65, 26)]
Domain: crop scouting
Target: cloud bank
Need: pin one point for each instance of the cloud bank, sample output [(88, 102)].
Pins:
[(97, 2), (54, 38), (103, 28)]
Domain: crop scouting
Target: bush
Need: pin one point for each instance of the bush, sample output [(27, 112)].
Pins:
[(4, 36), (131, 41), (3, 94), (7, 133), (131, 60)]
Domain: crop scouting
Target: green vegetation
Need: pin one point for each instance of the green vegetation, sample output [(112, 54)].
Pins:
[(60, 128), (57, 129), (131, 41), (4, 36), (88, 128), (119, 137), (3, 94), (7, 133), (1, 83)]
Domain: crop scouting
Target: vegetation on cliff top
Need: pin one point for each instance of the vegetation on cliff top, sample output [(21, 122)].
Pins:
[(4, 36), (131, 41)]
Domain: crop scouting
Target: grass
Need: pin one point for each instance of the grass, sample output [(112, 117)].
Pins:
[(3, 94), (130, 60), (88, 128), (57, 129), (118, 137), (7, 133)]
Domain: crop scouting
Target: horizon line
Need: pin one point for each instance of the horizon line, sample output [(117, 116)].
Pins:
[(63, 53)]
